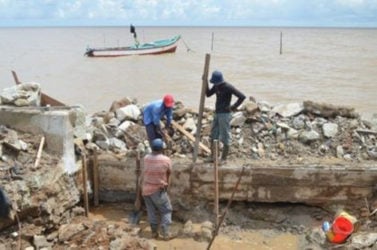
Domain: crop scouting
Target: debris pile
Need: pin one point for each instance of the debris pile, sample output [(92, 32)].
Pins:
[(295, 132)]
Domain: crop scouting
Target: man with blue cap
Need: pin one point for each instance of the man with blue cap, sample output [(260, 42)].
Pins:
[(155, 181), (221, 121)]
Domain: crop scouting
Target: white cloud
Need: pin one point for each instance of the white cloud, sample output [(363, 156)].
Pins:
[(189, 12)]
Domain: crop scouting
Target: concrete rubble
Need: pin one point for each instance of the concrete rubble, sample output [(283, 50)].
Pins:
[(47, 199)]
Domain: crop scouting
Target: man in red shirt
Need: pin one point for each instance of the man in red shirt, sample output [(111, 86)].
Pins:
[(155, 180)]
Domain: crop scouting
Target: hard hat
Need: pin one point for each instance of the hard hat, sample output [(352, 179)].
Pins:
[(168, 101), (157, 144), (217, 77)]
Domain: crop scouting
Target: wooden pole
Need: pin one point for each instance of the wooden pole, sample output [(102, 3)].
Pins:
[(216, 178), (213, 37), (226, 209), (95, 179), (15, 77), (84, 183), (201, 105), (39, 154), (281, 42)]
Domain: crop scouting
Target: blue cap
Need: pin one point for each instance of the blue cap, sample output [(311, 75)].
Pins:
[(157, 144), (217, 77)]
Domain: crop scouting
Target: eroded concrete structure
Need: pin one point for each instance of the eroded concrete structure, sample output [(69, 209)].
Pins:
[(315, 184), (54, 123)]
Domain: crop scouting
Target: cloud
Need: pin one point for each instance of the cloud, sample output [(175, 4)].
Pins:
[(189, 12)]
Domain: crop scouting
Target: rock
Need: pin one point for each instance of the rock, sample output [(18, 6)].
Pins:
[(67, 231), (339, 152), (40, 242), (308, 136), (24, 94), (363, 240), (120, 103), (190, 125), (125, 125), (250, 107), (330, 129), (288, 110), (188, 228), (264, 106), (238, 119), (131, 112), (115, 143)]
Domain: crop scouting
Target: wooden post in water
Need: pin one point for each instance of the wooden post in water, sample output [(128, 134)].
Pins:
[(84, 180), (95, 179), (201, 106), (216, 181), (213, 36), (281, 42)]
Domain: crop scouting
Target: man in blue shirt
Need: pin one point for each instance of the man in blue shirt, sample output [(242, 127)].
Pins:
[(221, 121), (154, 112)]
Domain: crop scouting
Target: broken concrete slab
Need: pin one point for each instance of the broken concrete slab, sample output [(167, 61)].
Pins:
[(53, 123)]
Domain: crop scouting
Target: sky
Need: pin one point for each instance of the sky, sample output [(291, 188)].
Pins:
[(301, 13)]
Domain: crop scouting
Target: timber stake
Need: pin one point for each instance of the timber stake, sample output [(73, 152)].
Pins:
[(226, 209)]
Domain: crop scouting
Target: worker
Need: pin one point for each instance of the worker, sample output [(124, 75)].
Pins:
[(4, 205), (155, 180), (154, 112), (220, 129)]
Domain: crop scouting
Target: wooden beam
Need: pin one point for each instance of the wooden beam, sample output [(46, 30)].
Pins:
[(189, 136)]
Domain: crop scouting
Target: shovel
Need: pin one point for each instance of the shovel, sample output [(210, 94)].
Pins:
[(137, 212)]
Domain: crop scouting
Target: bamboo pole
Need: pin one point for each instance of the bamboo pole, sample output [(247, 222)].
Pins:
[(95, 179), (84, 180), (216, 178), (201, 105), (226, 208)]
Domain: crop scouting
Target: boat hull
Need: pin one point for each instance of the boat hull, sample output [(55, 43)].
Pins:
[(145, 49)]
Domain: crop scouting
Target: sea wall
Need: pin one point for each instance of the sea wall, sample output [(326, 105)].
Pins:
[(278, 182)]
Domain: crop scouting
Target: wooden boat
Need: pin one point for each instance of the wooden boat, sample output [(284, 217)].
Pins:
[(152, 48)]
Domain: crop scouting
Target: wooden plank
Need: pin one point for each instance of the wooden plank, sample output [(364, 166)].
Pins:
[(189, 136), (201, 105)]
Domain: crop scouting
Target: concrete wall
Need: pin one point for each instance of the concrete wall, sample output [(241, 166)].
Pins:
[(310, 184), (53, 123)]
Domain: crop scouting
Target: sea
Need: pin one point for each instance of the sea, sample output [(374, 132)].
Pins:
[(278, 65)]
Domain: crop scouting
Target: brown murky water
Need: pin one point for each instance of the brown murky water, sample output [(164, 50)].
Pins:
[(253, 239), (336, 66)]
